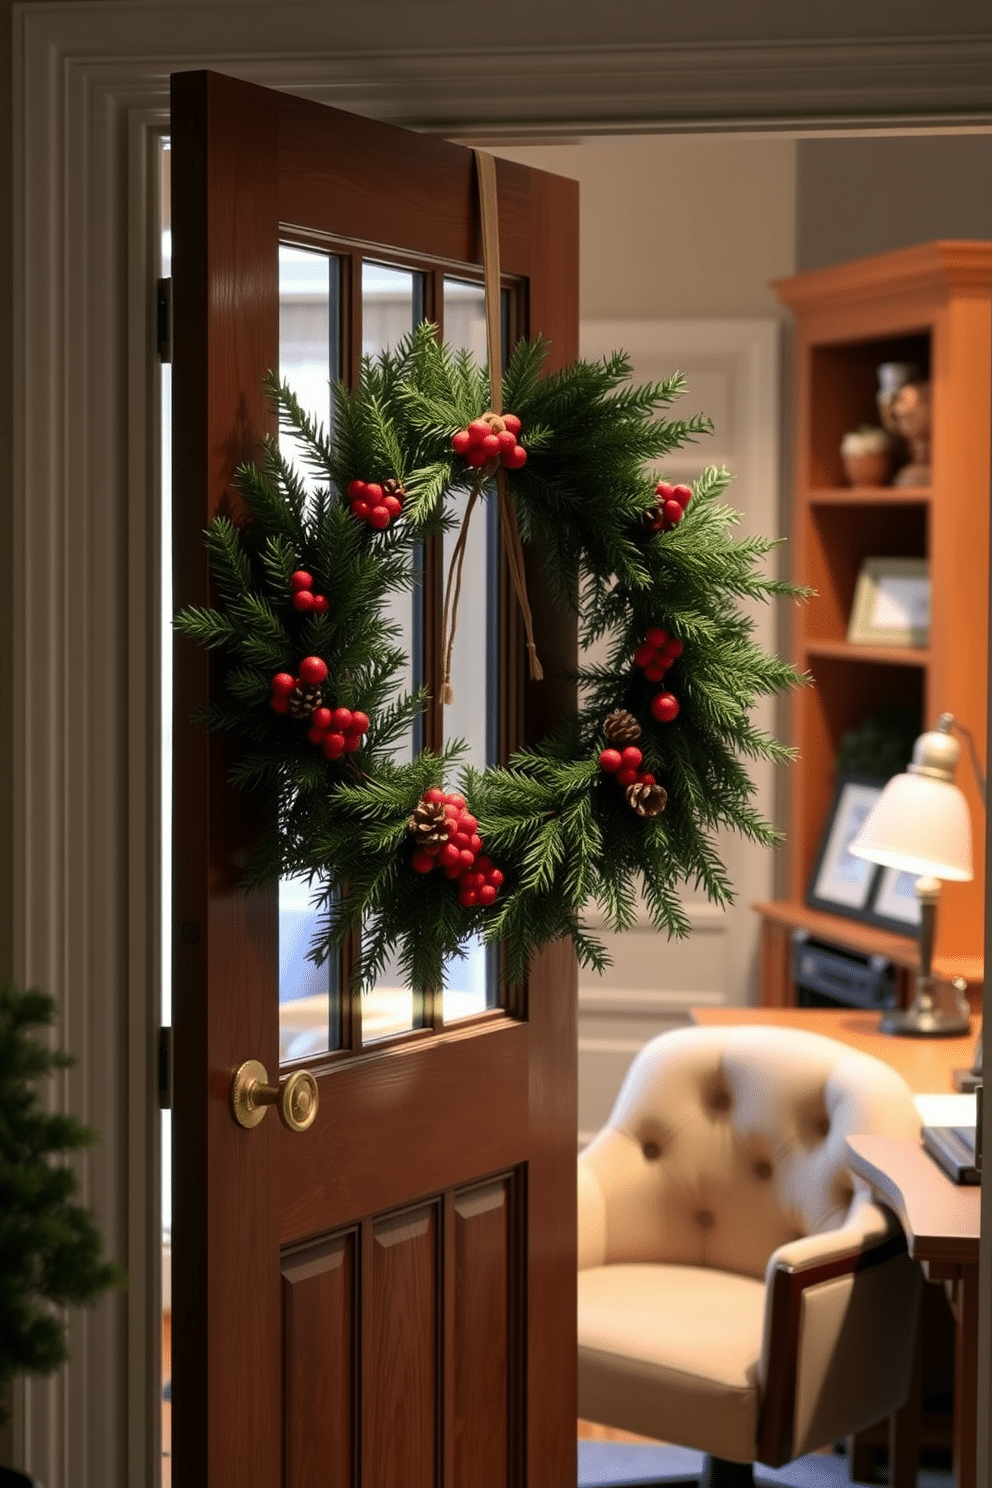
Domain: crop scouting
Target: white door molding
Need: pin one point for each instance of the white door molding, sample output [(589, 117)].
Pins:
[(731, 369)]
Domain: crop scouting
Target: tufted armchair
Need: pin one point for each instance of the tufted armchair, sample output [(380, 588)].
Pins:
[(739, 1292)]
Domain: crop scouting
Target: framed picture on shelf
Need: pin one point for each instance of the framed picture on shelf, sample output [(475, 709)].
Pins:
[(891, 603), (894, 902), (841, 883)]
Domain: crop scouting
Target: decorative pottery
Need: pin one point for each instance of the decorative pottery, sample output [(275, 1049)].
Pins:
[(867, 456)]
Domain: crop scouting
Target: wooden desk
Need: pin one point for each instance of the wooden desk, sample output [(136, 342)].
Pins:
[(926, 1064), (942, 1224)]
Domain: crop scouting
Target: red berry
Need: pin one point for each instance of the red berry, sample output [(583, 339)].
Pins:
[(487, 894), (279, 704), (496, 877), (609, 760), (352, 742), (393, 505), (626, 777), (301, 580), (467, 856), (467, 821), (360, 722), (321, 604), (312, 670), (434, 795), (373, 494), (334, 745), (506, 441), (321, 719), (515, 458), (453, 870), (460, 839), (476, 457), (379, 518), (356, 490), (475, 842), (656, 637), (656, 671), (468, 897), (422, 862), (341, 719), (283, 684), (673, 648), (673, 512), (303, 600), (315, 734), (644, 777), (449, 855), (683, 495), (491, 446), (461, 441), (478, 430), (664, 490), (631, 757), (458, 801), (361, 510), (665, 706), (512, 423), (644, 655)]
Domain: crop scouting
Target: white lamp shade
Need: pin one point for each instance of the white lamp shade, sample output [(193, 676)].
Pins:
[(919, 825)]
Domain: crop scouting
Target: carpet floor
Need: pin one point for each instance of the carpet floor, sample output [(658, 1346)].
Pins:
[(626, 1464)]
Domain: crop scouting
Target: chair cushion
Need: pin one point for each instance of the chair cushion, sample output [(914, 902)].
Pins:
[(672, 1352)]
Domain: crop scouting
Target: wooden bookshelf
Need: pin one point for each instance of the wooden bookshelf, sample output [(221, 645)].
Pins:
[(929, 305)]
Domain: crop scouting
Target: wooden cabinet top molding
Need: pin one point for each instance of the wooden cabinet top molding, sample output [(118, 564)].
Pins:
[(937, 270)]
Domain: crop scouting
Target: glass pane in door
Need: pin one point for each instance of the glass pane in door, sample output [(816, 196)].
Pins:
[(472, 983), (392, 305), (309, 358)]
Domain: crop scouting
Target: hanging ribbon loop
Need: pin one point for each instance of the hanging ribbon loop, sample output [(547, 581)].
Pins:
[(485, 166)]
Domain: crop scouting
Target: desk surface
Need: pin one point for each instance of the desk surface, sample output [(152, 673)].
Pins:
[(942, 1219), (926, 1064)]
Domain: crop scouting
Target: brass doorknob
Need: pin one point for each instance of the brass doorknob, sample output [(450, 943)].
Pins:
[(296, 1098)]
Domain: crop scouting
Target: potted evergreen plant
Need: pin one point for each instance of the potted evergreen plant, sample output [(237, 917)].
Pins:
[(50, 1247)]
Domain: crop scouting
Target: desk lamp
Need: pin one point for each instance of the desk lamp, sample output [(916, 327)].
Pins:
[(920, 824)]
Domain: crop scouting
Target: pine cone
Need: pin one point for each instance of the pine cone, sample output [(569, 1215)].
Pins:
[(622, 727), (428, 824), (647, 800), (392, 487), (304, 701)]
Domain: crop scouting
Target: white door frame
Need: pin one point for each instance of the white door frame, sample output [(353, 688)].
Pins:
[(90, 90)]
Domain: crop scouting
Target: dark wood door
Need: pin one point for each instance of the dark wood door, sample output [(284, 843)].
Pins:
[(389, 1297)]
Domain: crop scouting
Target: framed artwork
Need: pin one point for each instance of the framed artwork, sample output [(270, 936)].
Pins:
[(842, 883), (894, 902), (891, 603)]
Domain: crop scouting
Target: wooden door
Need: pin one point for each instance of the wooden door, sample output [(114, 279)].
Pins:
[(388, 1297)]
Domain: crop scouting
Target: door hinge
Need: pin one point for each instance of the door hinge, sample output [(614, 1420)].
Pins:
[(165, 1068), (163, 319)]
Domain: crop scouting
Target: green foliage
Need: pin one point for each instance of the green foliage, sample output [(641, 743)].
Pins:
[(50, 1247), (560, 830)]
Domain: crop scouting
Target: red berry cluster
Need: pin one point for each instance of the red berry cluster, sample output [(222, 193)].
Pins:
[(656, 653), (304, 599), (625, 766), (461, 857), (311, 672), (337, 730), (671, 502), (377, 505), (489, 438)]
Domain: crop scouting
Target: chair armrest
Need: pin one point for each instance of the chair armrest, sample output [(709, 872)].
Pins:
[(841, 1310), (866, 1224), (592, 1218)]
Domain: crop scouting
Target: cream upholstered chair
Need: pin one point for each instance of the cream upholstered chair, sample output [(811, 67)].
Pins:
[(739, 1292)]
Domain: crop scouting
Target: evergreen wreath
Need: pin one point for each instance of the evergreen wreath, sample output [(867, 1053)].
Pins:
[(631, 789)]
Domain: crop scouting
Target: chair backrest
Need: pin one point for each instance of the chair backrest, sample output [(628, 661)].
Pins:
[(725, 1143)]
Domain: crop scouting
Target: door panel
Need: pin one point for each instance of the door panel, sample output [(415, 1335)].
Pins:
[(384, 1298)]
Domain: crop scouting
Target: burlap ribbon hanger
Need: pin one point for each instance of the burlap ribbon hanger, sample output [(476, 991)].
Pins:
[(485, 166)]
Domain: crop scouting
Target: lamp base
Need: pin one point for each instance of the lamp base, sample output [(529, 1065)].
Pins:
[(925, 1022)]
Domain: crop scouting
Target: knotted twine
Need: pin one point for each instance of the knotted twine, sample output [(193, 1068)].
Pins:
[(485, 166)]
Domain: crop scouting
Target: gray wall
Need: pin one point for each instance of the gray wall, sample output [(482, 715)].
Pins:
[(860, 196)]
